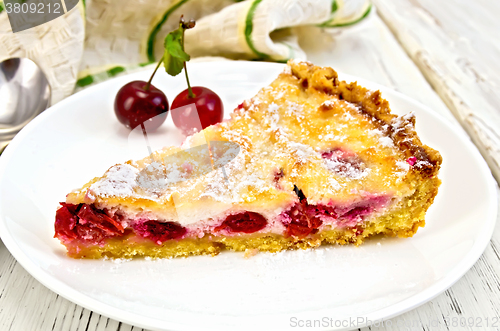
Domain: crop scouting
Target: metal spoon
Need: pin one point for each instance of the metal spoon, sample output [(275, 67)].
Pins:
[(24, 93)]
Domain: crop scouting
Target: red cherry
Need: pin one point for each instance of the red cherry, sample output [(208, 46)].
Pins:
[(160, 232), (246, 222), (85, 222), (135, 103), (210, 109), (89, 214), (300, 223), (66, 222)]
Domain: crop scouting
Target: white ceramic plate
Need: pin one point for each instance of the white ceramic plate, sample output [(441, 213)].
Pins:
[(79, 138)]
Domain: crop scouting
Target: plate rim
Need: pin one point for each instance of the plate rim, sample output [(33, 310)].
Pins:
[(383, 314)]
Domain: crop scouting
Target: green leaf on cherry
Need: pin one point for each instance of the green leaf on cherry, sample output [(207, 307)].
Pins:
[(175, 56)]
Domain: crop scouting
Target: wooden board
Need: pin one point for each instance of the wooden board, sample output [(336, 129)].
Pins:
[(455, 46)]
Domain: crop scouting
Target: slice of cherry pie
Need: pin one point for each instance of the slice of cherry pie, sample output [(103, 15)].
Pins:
[(308, 160)]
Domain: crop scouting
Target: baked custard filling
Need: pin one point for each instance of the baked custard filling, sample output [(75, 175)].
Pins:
[(89, 225)]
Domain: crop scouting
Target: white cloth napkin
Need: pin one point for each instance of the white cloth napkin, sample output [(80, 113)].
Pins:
[(100, 39)]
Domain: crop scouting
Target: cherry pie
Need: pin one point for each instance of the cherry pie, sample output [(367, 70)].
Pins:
[(309, 160)]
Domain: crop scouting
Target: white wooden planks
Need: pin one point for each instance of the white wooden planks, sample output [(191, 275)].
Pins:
[(456, 45)]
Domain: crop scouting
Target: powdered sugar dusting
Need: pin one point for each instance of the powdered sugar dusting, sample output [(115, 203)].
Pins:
[(383, 139), (273, 107), (346, 169), (329, 103), (287, 70), (294, 109), (334, 184), (119, 181), (302, 152), (274, 116), (117, 260), (386, 141), (403, 122), (403, 165)]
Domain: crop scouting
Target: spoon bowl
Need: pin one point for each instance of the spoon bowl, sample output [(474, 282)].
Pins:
[(24, 93)]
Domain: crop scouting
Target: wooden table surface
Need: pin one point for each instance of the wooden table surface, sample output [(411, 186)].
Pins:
[(441, 53)]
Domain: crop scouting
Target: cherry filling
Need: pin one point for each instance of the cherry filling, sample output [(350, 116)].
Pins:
[(89, 224), (411, 160), (159, 232), (304, 219), (357, 212), (66, 221), (241, 106), (246, 222), (278, 174), (301, 220), (84, 222), (96, 218)]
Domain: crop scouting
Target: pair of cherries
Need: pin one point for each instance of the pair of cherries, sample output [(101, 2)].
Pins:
[(140, 103)]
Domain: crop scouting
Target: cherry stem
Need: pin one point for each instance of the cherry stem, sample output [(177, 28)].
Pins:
[(190, 91), (154, 72), (147, 141), (183, 27)]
